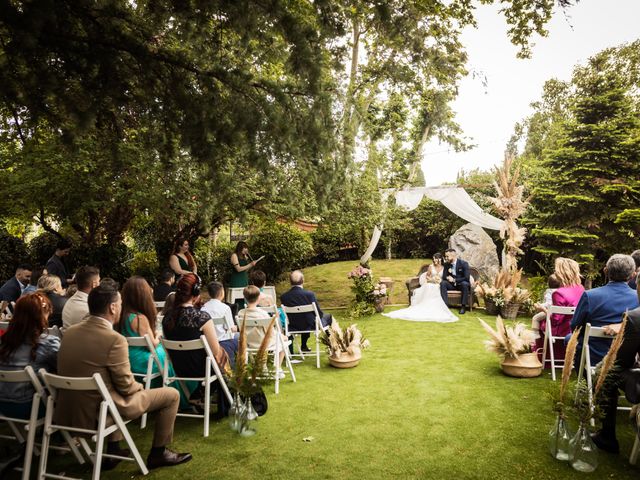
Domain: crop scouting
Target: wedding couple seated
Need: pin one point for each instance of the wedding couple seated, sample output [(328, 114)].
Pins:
[(429, 302)]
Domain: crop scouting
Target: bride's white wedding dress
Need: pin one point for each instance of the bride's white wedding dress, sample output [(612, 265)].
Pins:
[(426, 303)]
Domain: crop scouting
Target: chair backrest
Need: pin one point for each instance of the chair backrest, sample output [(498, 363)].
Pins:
[(594, 332), (20, 376), (219, 321), (270, 291), (309, 308), (271, 309), (159, 305), (234, 293), (145, 342), (560, 310), (4, 325), (258, 322), (84, 384)]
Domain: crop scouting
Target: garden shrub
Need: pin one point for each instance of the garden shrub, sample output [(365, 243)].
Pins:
[(285, 248), (112, 259), (13, 251), (214, 261), (145, 264), (42, 247), (537, 286), (329, 242)]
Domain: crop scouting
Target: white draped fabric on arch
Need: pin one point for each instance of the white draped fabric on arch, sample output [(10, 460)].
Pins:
[(455, 199)]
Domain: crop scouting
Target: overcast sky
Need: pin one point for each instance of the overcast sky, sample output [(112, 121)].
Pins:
[(487, 114)]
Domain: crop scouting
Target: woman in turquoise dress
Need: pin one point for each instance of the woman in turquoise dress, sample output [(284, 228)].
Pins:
[(181, 260), (139, 318)]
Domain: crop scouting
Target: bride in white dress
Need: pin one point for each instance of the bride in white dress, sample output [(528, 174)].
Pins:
[(426, 303)]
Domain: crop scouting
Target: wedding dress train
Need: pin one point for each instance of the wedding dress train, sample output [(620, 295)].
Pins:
[(426, 303)]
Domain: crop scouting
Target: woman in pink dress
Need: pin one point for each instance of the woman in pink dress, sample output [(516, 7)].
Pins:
[(567, 272)]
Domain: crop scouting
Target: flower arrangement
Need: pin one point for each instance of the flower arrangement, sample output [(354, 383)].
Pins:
[(344, 341), (379, 291), (508, 341), (364, 291)]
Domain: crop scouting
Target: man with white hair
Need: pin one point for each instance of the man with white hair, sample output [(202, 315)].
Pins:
[(296, 297), (605, 305)]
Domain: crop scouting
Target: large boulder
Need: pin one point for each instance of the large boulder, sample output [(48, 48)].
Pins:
[(476, 247)]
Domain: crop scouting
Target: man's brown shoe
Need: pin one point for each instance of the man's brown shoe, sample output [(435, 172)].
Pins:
[(167, 459)]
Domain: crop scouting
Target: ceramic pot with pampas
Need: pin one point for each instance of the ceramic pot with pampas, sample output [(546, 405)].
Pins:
[(513, 346), (344, 345)]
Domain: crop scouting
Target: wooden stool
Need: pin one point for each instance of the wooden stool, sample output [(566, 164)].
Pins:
[(388, 282)]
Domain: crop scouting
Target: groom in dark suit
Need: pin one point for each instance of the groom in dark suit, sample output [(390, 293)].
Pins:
[(455, 276)]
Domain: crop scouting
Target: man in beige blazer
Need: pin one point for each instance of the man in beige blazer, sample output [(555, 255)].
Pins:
[(93, 346)]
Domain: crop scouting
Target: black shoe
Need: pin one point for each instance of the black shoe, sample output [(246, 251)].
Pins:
[(462, 311), (305, 349), (605, 442), (167, 458), (111, 463)]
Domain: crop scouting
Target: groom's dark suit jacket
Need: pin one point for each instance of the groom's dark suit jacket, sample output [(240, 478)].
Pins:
[(461, 274)]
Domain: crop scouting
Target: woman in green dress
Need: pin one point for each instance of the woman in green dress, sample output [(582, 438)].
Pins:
[(139, 318), (181, 260), (241, 263)]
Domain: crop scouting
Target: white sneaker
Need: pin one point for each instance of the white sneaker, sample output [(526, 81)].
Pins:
[(280, 375), (295, 361)]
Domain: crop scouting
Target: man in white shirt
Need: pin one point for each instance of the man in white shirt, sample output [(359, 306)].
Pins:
[(76, 308), (216, 308)]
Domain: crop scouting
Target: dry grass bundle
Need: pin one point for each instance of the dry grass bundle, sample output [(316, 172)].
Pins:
[(508, 341), (567, 368), (510, 205), (261, 356), (348, 340)]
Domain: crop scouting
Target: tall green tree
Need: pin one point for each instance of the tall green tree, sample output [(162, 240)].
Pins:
[(592, 174)]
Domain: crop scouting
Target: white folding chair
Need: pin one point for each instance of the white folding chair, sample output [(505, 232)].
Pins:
[(234, 293), (4, 325), (103, 430), (549, 338), (316, 331), (222, 326), (33, 422), (278, 346), (270, 291), (149, 375), (206, 380)]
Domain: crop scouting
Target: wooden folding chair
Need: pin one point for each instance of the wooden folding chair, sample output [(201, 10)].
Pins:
[(317, 330), (212, 374), (278, 346), (31, 424), (107, 409), (149, 375), (549, 338)]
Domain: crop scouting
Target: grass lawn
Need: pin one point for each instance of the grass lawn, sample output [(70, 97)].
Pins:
[(427, 401)]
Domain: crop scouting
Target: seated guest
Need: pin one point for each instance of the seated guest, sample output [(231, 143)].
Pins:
[(55, 265), (455, 276), (605, 305), (13, 288), (623, 375), (50, 286), (76, 307), (138, 318), (633, 283), (255, 335), (259, 279), (35, 276), (296, 297), (26, 342), (568, 294), (165, 286), (216, 308), (107, 354), (542, 308), (185, 322)]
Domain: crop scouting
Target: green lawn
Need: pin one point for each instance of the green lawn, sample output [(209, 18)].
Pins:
[(427, 401)]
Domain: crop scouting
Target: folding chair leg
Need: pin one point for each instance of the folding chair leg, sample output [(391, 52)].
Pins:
[(31, 437), (87, 449), (132, 446), (317, 350), (287, 359), (16, 432), (207, 405), (73, 447), (102, 420), (46, 438)]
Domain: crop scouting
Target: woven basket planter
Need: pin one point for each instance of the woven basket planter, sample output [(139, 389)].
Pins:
[(510, 310), (490, 307)]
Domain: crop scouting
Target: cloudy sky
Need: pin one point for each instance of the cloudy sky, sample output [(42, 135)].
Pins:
[(488, 113)]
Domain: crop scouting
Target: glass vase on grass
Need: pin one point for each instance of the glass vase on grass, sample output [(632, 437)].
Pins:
[(248, 418), (583, 453), (559, 439), (235, 413)]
